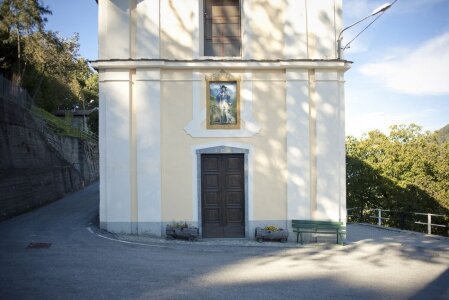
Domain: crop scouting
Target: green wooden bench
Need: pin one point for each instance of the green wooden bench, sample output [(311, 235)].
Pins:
[(318, 227)]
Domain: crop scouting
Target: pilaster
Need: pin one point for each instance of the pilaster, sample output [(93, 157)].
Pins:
[(147, 114), (298, 144), (115, 184)]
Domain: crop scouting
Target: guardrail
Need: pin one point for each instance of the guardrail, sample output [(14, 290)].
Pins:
[(429, 222), (401, 219)]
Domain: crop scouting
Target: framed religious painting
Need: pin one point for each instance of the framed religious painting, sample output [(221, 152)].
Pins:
[(223, 102)]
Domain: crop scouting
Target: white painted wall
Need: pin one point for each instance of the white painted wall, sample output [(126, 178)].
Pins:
[(328, 145), (147, 29), (321, 28), (295, 29), (148, 142), (114, 29), (298, 144), (115, 191)]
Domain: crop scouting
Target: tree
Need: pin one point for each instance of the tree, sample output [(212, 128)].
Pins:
[(19, 18), (45, 64), (408, 170)]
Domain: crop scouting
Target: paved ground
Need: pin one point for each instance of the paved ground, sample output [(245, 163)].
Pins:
[(83, 263)]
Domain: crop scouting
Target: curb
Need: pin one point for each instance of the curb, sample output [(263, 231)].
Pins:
[(175, 244)]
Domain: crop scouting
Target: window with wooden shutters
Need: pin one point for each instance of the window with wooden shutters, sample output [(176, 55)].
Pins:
[(222, 32)]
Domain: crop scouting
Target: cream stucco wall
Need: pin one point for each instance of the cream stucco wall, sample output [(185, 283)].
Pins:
[(269, 156), (153, 111), (269, 145), (176, 156), (173, 29)]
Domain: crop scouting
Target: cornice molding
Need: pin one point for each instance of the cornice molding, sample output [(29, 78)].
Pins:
[(332, 64)]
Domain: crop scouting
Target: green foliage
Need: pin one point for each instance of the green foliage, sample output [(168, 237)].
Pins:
[(60, 126), (271, 228), (181, 224), (18, 18), (23, 16), (45, 64), (408, 170), (90, 94)]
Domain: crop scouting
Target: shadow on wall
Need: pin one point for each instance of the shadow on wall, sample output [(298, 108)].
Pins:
[(176, 30), (266, 39), (368, 189), (267, 32)]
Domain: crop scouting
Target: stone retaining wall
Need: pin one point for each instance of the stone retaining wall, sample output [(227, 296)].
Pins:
[(36, 165)]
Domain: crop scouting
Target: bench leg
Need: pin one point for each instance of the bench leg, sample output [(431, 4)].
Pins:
[(301, 237), (339, 238)]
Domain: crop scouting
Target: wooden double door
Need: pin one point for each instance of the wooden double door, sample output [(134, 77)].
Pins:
[(223, 195)]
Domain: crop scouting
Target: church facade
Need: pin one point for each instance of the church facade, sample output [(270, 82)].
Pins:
[(225, 114)]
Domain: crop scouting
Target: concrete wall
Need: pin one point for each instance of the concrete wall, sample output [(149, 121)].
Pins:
[(81, 154), (173, 29), (33, 171)]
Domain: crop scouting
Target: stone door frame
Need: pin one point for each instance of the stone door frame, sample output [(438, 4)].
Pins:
[(247, 169)]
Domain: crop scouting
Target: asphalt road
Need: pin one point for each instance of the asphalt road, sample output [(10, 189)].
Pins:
[(80, 264)]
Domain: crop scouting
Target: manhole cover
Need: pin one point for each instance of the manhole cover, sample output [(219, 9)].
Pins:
[(38, 245)]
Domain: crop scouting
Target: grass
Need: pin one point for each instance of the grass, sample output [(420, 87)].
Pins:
[(60, 126)]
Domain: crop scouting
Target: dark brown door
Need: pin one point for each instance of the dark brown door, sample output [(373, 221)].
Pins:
[(223, 200)]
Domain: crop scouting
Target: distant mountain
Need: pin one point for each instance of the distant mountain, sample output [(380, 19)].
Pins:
[(443, 134)]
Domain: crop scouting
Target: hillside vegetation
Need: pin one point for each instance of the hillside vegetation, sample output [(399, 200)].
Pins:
[(407, 170), (47, 65)]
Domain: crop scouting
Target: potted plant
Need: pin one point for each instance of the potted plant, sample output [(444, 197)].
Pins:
[(181, 230), (271, 233)]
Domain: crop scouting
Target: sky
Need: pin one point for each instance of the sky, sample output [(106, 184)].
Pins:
[(400, 73), (400, 70)]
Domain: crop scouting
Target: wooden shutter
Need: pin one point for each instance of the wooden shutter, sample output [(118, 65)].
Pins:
[(222, 30)]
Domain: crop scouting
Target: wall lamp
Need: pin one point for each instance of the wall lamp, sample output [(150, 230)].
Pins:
[(378, 11)]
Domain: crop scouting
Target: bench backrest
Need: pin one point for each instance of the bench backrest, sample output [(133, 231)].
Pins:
[(316, 224)]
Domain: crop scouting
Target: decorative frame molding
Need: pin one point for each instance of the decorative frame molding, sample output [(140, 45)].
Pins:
[(197, 126)]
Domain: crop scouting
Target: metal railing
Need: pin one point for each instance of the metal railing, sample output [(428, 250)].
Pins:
[(429, 221), (404, 220)]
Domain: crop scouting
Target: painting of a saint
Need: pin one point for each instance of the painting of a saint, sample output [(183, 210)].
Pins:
[(223, 105)]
